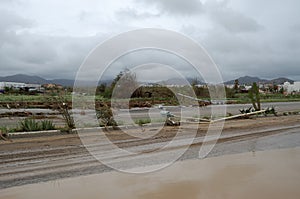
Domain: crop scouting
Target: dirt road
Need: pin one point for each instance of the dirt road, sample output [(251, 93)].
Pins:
[(36, 159)]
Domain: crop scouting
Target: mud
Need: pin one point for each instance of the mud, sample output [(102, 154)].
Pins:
[(270, 174), (40, 159)]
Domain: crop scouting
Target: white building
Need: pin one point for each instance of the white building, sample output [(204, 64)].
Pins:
[(17, 85), (290, 88), (11, 85)]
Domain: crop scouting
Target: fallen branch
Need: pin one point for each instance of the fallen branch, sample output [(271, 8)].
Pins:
[(224, 118), (239, 115)]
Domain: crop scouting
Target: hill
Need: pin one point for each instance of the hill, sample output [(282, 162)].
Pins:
[(280, 80), (35, 80), (24, 79), (248, 80)]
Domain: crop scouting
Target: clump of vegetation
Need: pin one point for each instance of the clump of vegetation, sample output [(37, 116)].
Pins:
[(60, 104), (3, 133), (29, 124), (105, 117), (123, 81), (47, 125), (5, 129), (291, 113), (245, 111), (271, 111), (267, 112), (141, 122)]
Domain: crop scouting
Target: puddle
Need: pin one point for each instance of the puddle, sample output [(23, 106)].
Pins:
[(269, 174)]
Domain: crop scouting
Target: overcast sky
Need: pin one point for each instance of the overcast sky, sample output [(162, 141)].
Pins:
[(51, 38)]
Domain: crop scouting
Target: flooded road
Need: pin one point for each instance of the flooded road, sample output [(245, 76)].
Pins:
[(269, 174)]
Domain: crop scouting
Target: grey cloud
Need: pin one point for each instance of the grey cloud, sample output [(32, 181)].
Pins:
[(295, 28), (232, 20), (220, 41), (49, 56), (235, 22), (132, 14), (146, 56), (9, 24), (180, 7), (58, 57), (244, 55), (241, 42), (241, 46), (11, 21)]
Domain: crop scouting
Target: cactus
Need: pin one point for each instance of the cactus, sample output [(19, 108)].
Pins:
[(255, 97)]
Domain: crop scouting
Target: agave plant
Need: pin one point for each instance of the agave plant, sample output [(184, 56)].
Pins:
[(248, 110), (47, 125), (271, 111), (29, 125)]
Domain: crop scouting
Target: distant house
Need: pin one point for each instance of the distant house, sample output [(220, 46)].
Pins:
[(20, 86), (14, 85), (52, 86), (2, 87), (291, 88)]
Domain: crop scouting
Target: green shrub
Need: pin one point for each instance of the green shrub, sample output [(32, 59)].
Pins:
[(141, 122), (246, 110), (47, 125), (105, 117), (29, 125), (4, 129), (271, 111)]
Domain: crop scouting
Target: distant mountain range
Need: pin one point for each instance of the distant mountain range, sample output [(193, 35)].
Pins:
[(35, 80), (39, 80), (247, 80), (175, 81)]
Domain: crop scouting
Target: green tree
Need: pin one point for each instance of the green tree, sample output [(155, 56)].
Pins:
[(101, 89), (125, 82), (109, 90), (236, 86)]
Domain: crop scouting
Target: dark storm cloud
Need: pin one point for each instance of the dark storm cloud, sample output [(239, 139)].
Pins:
[(260, 38), (50, 56), (255, 54), (244, 43)]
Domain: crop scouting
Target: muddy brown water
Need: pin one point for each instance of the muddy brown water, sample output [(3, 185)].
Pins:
[(269, 174)]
